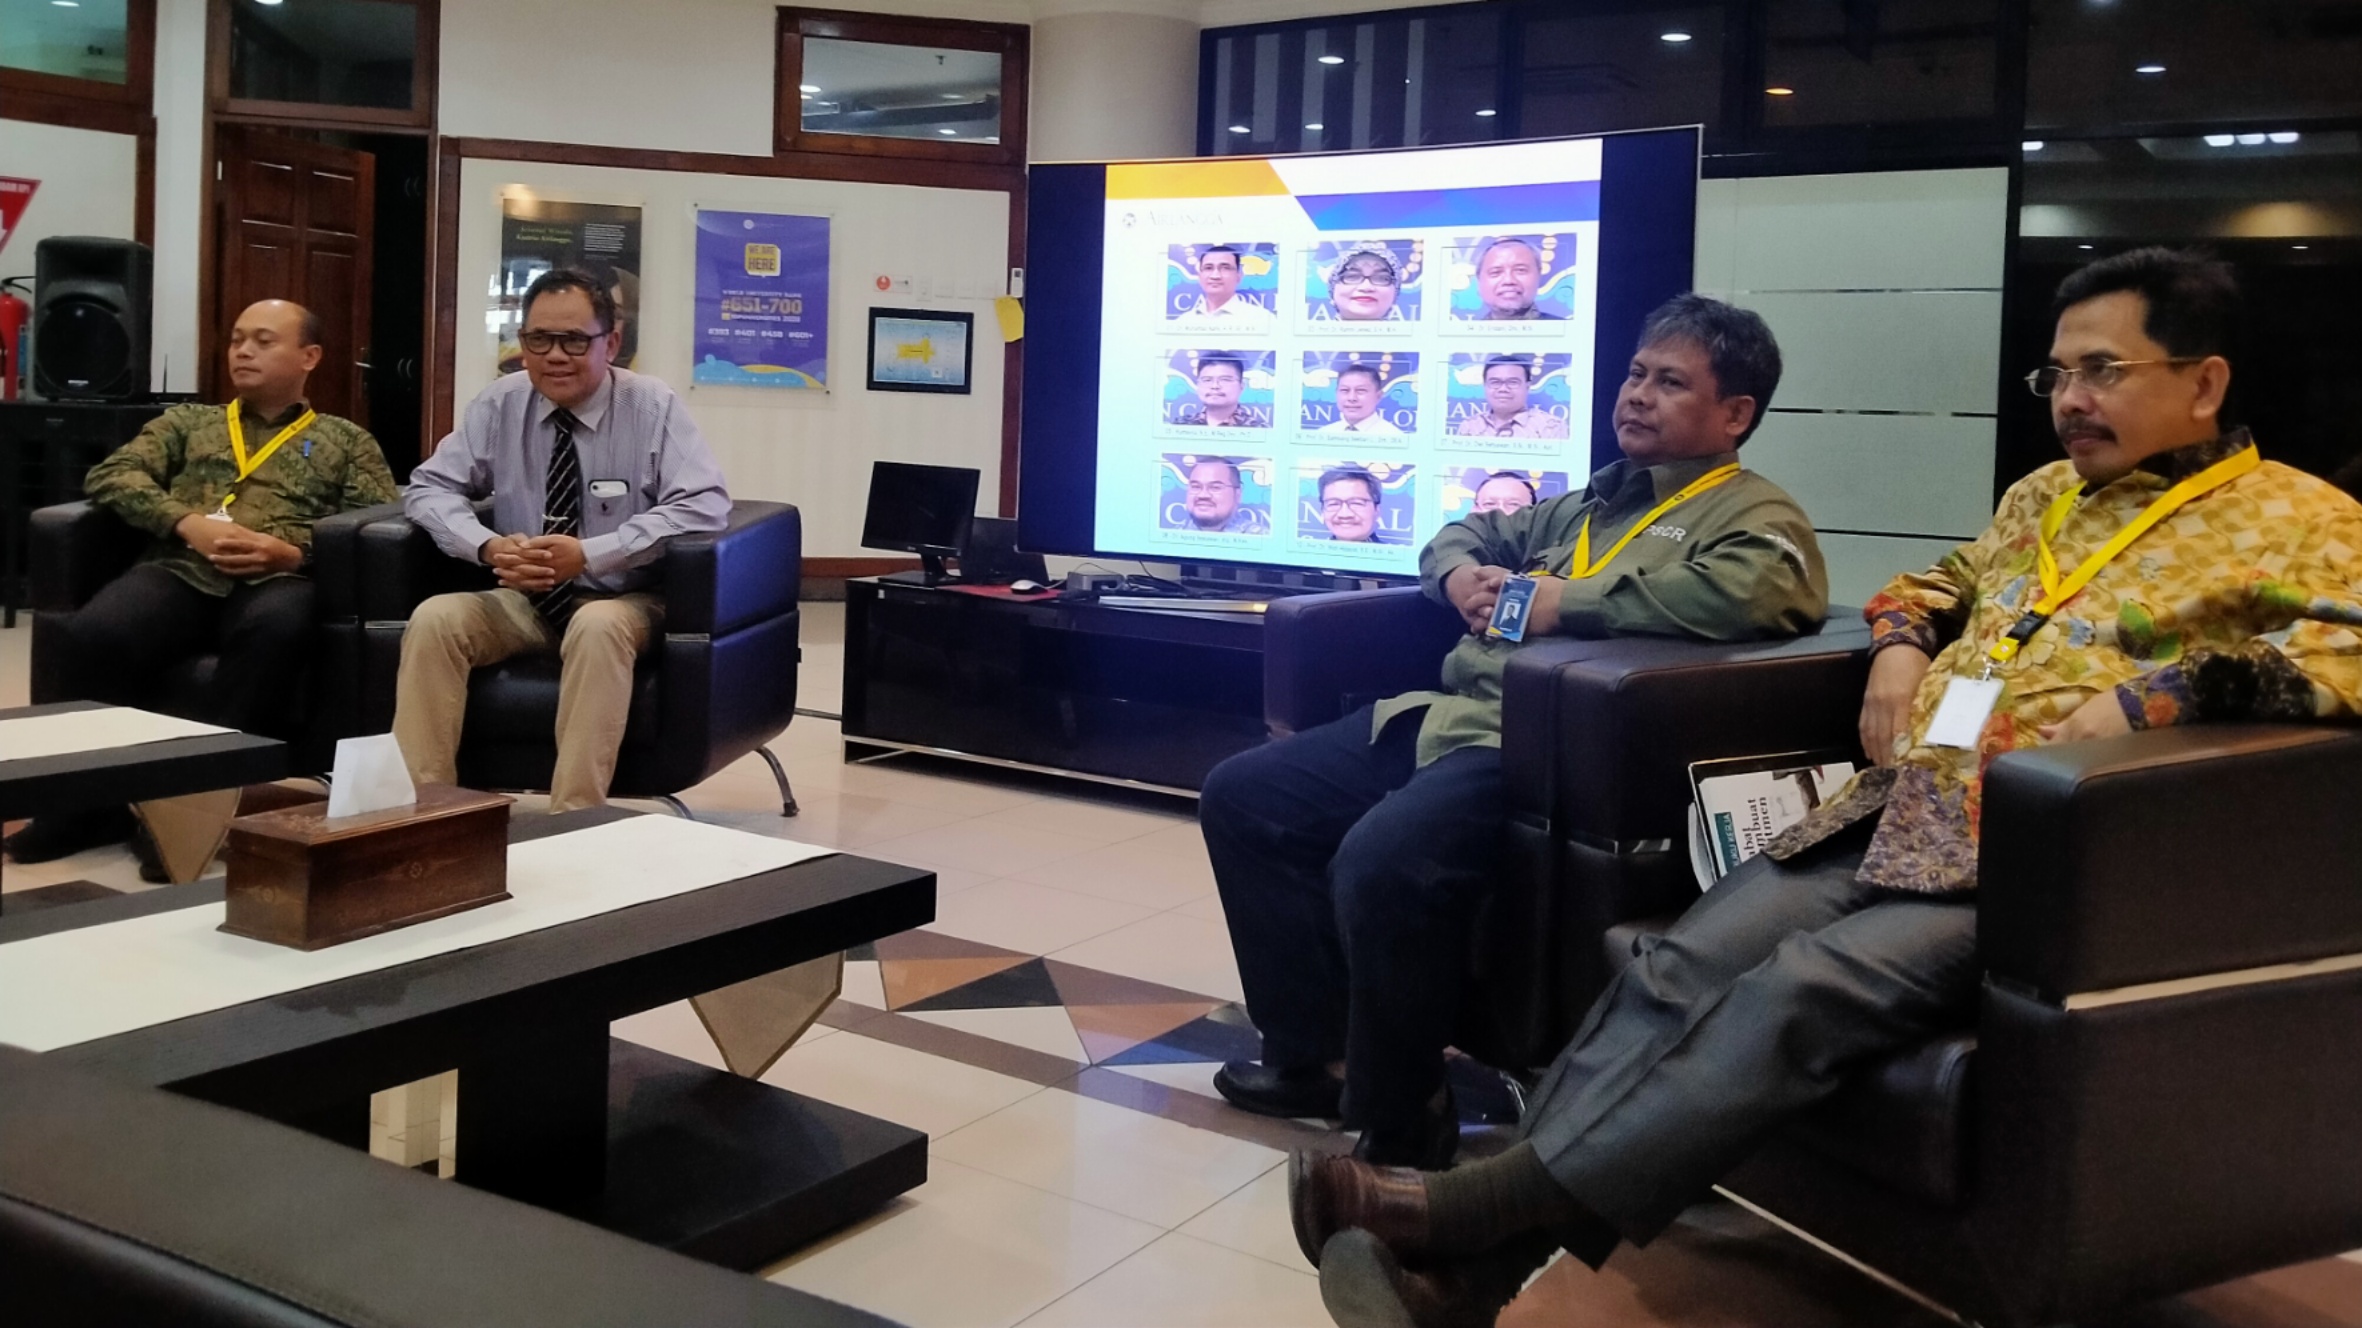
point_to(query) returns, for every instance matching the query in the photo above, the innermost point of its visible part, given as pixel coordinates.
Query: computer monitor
(920, 509)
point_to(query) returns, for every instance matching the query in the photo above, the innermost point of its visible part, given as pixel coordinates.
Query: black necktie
(561, 514)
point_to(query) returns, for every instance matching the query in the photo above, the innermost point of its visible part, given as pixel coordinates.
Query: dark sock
(1479, 1206)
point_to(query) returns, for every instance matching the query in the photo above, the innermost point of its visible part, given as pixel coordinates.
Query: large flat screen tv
(1316, 362)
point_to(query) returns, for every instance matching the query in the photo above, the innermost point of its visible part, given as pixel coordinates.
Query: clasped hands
(1474, 590)
(533, 563)
(1895, 675)
(235, 550)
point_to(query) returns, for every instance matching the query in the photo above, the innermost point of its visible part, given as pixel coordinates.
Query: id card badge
(1961, 715)
(1509, 611)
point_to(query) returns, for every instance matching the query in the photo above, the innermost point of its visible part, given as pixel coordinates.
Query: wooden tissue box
(298, 878)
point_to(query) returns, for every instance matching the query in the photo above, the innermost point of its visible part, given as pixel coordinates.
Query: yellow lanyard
(2056, 592)
(1583, 567)
(238, 446)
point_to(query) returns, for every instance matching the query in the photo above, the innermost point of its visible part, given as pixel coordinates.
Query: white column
(1113, 80)
(180, 189)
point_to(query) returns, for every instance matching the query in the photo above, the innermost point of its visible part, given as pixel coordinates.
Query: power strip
(1092, 583)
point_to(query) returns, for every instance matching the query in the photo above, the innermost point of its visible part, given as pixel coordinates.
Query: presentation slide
(1319, 361)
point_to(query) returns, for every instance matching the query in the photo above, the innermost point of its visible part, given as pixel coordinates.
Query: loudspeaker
(91, 303)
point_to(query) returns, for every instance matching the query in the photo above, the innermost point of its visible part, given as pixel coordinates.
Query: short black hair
(1530, 490)
(602, 300)
(1336, 473)
(1739, 347)
(1377, 379)
(310, 330)
(1497, 241)
(1236, 364)
(1235, 477)
(1212, 249)
(2193, 299)
(1519, 360)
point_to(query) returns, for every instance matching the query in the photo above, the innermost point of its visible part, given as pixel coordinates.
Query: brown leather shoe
(1363, 1285)
(1327, 1195)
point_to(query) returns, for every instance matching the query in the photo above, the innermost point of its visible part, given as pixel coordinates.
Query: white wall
(89, 183)
(180, 187)
(813, 449)
(1885, 293)
(1113, 85)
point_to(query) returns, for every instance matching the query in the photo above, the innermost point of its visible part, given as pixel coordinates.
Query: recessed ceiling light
(807, 96)
(67, 4)
(2220, 140)
(2300, 246)
(947, 131)
(2083, 246)
(1332, 59)
(2285, 136)
(1316, 125)
(807, 87)
(1240, 129)
(2148, 69)
(2250, 140)
(1779, 92)
(952, 96)
(1677, 38)
(2032, 145)
(1487, 113)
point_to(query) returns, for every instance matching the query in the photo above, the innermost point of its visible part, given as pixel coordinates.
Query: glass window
(1384, 83)
(2094, 65)
(888, 91)
(324, 52)
(85, 40)
(1827, 63)
(1597, 72)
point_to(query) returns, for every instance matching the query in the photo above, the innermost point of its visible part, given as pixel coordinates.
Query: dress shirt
(1532, 422)
(1236, 309)
(634, 431)
(1377, 424)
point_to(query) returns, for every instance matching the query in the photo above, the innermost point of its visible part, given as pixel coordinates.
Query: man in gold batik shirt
(2164, 573)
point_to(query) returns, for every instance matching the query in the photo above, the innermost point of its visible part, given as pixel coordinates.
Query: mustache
(2080, 427)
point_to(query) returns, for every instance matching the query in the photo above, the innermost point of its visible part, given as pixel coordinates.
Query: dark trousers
(143, 622)
(1349, 877)
(1785, 978)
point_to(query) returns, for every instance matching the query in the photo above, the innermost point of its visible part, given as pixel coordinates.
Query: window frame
(1008, 40)
(420, 114)
(87, 103)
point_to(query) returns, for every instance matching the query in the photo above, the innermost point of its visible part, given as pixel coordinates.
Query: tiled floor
(1054, 1033)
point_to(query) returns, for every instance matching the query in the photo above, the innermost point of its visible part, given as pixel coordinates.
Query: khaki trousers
(450, 635)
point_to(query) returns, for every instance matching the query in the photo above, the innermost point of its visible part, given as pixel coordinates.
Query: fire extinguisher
(13, 313)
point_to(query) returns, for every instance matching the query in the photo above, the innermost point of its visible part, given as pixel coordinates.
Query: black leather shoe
(1428, 1146)
(1256, 1087)
(151, 863)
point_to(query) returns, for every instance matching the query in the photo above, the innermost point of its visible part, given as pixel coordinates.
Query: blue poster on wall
(762, 300)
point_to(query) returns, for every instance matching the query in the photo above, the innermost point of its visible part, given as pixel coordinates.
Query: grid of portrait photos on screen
(1341, 403)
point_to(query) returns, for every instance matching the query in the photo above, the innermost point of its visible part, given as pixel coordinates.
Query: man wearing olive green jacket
(1351, 857)
(228, 495)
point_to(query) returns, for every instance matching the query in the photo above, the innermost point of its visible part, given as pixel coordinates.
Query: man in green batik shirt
(229, 494)
(1351, 857)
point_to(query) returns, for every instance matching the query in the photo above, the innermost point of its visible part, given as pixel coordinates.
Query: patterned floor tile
(1017, 985)
(1112, 1030)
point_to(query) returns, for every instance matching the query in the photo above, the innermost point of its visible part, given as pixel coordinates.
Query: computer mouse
(1026, 587)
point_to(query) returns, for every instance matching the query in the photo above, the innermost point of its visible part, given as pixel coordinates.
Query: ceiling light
(2250, 140)
(947, 131)
(2285, 136)
(2220, 140)
(807, 96)
(1779, 92)
(1240, 129)
(2032, 145)
(2083, 246)
(2151, 68)
(1486, 113)
(1677, 38)
(2300, 246)
(1316, 125)
(67, 4)
(807, 87)
(1332, 59)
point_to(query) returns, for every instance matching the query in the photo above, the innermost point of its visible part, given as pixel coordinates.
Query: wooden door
(296, 223)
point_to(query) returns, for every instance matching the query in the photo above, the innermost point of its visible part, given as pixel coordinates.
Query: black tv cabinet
(1144, 697)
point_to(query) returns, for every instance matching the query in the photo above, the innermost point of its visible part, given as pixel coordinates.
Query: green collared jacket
(1735, 563)
(182, 463)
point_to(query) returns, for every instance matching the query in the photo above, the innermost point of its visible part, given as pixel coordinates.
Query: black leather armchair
(719, 684)
(76, 548)
(123, 1205)
(1597, 766)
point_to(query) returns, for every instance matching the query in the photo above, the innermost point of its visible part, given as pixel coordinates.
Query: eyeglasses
(1363, 276)
(2052, 379)
(573, 343)
(1218, 486)
(1346, 504)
